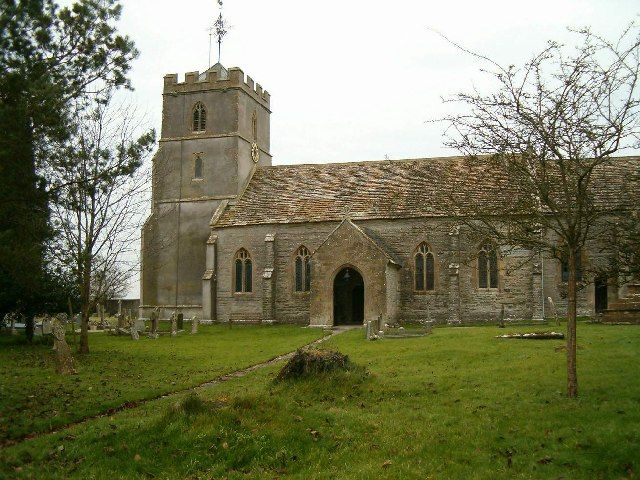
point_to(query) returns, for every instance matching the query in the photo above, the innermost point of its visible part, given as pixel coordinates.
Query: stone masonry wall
(456, 296)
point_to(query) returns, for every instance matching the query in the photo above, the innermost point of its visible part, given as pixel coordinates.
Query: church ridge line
(368, 162)
(400, 160)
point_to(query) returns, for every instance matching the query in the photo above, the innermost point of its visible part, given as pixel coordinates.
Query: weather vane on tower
(219, 28)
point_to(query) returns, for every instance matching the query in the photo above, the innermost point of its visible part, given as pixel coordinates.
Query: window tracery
(199, 117)
(243, 272)
(302, 270)
(424, 272)
(487, 266)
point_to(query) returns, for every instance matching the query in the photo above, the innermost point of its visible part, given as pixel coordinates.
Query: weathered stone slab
(64, 359)
(47, 328)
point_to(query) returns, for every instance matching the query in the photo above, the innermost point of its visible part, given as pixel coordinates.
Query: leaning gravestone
(64, 360)
(63, 318)
(194, 324)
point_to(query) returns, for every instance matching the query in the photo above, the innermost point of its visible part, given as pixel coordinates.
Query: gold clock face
(255, 152)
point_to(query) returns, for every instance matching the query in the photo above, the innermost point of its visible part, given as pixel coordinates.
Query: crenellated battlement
(215, 80)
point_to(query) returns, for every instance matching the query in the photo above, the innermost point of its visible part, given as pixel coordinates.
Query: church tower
(215, 132)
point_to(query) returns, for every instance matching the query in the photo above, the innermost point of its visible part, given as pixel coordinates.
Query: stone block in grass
(309, 362)
(534, 336)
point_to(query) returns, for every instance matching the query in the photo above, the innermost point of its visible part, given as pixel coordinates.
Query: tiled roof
(429, 187)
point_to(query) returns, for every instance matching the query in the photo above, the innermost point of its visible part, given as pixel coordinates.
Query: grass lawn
(456, 404)
(33, 398)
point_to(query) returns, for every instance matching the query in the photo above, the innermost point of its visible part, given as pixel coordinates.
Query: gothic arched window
(564, 266)
(487, 266)
(424, 273)
(197, 166)
(242, 272)
(303, 270)
(254, 126)
(199, 117)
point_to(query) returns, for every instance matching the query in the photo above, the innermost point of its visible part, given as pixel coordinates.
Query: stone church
(232, 237)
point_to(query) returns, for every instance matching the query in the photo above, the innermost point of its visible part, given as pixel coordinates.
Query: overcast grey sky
(352, 80)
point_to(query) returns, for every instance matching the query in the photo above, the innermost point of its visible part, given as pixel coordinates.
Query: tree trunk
(29, 327)
(73, 322)
(85, 293)
(572, 374)
(84, 331)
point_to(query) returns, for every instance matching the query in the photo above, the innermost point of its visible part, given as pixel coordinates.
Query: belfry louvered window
(424, 273)
(242, 272)
(199, 117)
(487, 266)
(302, 270)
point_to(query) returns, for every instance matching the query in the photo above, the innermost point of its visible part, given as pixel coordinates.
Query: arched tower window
(199, 117)
(424, 273)
(242, 272)
(303, 270)
(254, 126)
(197, 166)
(487, 266)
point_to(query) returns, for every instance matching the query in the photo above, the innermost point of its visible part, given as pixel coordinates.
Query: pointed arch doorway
(348, 297)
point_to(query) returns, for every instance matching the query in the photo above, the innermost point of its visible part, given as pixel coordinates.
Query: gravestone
(154, 323)
(180, 321)
(64, 360)
(174, 324)
(136, 326)
(554, 310)
(10, 320)
(100, 312)
(47, 329)
(194, 324)
(139, 325)
(120, 318)
(47, 322)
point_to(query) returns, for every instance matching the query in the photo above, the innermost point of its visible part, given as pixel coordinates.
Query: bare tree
(548, 134)
(102, 198)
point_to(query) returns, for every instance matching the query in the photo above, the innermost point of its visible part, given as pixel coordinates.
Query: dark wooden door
(600, 294)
